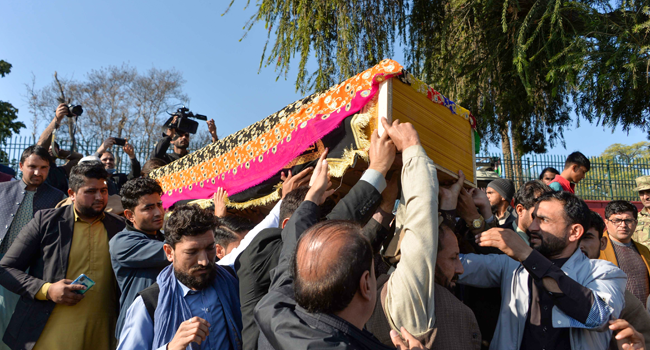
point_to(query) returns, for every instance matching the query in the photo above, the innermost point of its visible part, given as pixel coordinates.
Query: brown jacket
(636, 315)
(455, 328)
(609, 255)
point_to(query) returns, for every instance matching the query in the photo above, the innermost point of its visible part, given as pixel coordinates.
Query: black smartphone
(119, 141)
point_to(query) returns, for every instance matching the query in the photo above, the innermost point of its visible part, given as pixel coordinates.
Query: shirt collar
(645, 212)
(130, 227)
(520, 232)
(186, 290)
(77, 218)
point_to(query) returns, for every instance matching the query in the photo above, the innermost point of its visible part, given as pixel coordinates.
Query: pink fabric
(240, 179)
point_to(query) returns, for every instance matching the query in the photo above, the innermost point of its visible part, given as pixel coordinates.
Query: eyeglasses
(627, 222)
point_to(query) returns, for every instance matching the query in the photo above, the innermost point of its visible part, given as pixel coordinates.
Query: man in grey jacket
(20, 201)
(137, 253)
(553, 296)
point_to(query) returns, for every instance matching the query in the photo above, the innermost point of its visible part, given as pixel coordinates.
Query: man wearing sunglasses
(630, 256)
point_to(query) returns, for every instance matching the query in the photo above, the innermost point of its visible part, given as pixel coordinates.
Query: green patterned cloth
(23, 215)
(8, 300)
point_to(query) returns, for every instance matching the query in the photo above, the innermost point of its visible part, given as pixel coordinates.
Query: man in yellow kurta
(57, 246)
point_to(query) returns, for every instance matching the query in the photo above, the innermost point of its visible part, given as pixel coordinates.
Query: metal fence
(608, 179)
(13, 148)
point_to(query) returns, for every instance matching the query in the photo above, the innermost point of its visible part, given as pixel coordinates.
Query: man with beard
(553, 296)
(57, 246)
(179, 139)
(20, 201)
(137, 253)
(500, 192)
(194, 302)
(621, 250)
(525, 199)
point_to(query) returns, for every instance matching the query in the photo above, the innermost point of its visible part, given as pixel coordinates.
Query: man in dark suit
(57, 246)
(20, 201)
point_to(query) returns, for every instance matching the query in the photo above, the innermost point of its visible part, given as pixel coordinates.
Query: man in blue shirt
(194, 302)
(137, 254)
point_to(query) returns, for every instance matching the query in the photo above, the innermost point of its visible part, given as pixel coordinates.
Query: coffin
(248, 164)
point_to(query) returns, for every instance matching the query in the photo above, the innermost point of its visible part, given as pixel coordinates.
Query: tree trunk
(73, 142)
(507, 153)
(516, 161)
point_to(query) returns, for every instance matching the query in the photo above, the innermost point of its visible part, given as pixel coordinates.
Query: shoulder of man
(45, 187)
(10, 185)
(117, 222)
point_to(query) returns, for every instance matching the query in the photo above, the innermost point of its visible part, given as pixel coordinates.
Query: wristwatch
(476, 223)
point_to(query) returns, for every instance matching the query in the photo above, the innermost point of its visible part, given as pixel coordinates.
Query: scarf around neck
(172, 309)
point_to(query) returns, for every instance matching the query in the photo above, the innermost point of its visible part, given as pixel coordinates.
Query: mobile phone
(85, 281)
(119, 141)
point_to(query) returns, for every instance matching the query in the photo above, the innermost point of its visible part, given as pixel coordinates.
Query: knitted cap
(504, 187)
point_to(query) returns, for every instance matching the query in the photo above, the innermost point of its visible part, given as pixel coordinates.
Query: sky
(220, 68)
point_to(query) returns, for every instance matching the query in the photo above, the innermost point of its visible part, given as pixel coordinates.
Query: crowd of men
(90, 259)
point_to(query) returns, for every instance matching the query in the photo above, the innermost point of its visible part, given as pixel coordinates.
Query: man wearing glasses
(642, 233)
(630, 256)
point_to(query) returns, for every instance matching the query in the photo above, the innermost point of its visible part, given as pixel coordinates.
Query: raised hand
(61, 111)
(449, 195)
(212, 129)
(627, 337)
(292, 182)
(108, 143)
(63, 292)
(320, 182)
(382, 152)
(194, 330)
(128, 149)
(506, 240)
(482, 202)
(402, 135)
(171, 132)
(220, 203)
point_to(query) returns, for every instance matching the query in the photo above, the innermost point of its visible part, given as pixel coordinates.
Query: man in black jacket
(57, 246)
(256, 262)
(179, 139)
(324, 288)
(20, 201)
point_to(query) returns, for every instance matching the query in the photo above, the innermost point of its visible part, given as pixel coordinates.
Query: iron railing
(13, 148)
(608, 179)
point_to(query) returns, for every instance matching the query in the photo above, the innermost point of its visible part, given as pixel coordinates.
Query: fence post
(609, 180)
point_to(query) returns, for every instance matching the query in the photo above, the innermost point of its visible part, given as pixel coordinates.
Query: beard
(197, 282)
(90, 211)
(550, 245)
(440, 278)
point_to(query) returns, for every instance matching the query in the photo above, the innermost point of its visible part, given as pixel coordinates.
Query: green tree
(614, 171)
(8, 115)
(521, 66)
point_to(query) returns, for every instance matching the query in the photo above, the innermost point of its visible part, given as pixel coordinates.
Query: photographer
(179, 139)
(58, 175)
(108, 159)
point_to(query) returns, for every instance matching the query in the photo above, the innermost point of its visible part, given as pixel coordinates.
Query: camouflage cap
(642, 183)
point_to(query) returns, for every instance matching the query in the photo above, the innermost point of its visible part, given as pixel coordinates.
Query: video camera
(183, 122)
(74, 110)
